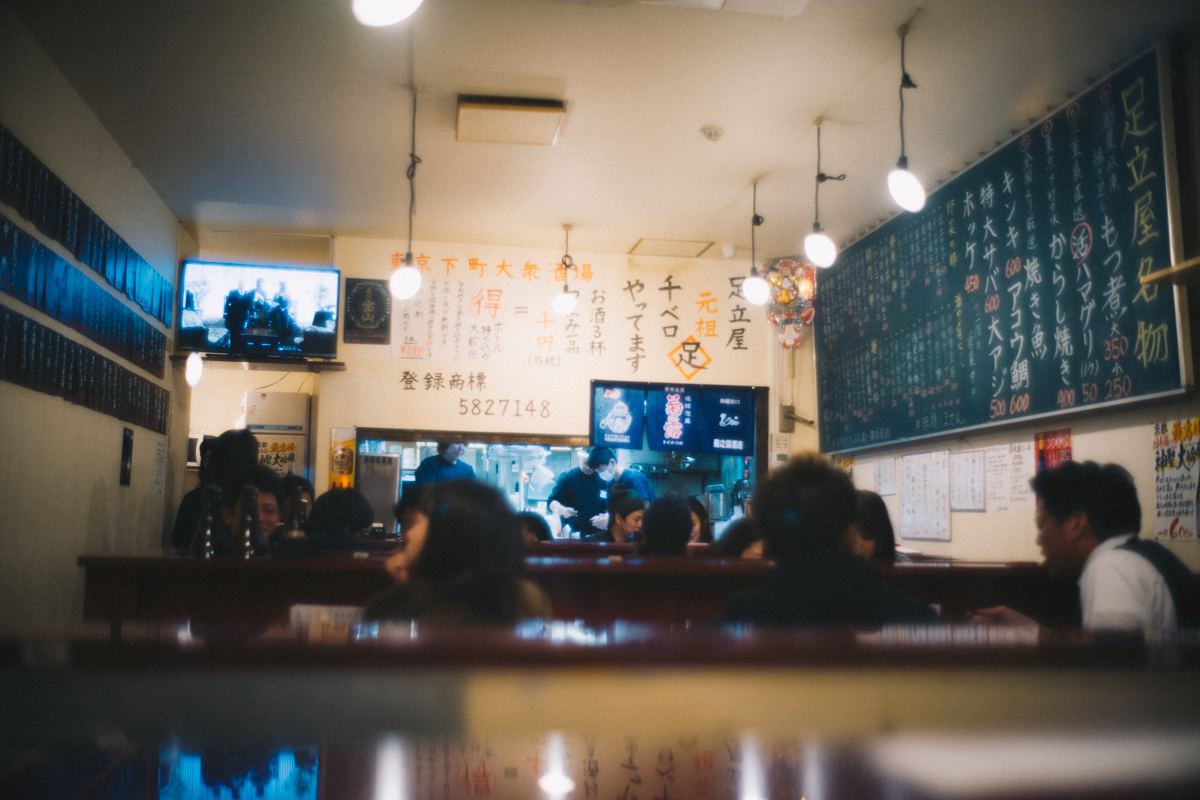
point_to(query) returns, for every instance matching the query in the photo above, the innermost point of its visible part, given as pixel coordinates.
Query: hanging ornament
(790, 308)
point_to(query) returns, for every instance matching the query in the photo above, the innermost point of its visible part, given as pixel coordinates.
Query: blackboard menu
(1015, 292)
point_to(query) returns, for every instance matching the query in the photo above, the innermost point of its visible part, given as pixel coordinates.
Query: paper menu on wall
(1008, 469)
(924, 492)
(885, 476)
(967, 480)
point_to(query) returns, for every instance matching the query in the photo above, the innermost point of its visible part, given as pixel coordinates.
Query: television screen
(258, 310)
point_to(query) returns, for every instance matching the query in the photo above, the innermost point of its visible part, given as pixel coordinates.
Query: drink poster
(1176, 471)
(727, 423)
(1053, 448)
(617, 417)
(672, 419)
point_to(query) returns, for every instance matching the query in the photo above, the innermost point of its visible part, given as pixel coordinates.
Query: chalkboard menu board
(1015, 292)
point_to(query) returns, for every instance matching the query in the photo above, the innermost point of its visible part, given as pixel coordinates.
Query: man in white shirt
(1088, 518)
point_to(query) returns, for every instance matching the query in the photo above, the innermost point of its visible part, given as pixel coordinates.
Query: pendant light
(819, 248)
(406, 279)
(194, 369)
(754, 288)
(564, 304)
(905, 188)
(381, 13)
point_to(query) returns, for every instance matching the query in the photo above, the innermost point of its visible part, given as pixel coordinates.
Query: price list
(1015, 291)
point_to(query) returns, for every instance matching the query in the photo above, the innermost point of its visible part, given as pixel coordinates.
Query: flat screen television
(258, 310)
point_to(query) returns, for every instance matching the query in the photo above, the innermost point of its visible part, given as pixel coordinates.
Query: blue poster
(727, 423)
(617, 415)
(672, 421)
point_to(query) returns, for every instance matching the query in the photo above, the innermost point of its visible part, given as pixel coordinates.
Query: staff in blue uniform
(445, 465)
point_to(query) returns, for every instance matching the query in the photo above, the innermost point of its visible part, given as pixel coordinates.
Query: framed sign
(368, 312)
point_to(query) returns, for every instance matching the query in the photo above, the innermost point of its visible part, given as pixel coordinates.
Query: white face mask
(607, 474)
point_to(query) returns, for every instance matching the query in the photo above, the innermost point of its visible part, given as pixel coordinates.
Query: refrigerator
(279, 420)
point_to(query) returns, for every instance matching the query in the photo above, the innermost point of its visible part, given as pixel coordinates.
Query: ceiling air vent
(508, 120)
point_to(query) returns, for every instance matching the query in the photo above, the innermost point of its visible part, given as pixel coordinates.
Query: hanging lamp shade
(405, 280)
(756, 290)
(194, 369)
(820, 249)
(381, 13)
(906, 190)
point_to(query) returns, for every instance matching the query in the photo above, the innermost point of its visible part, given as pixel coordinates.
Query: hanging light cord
(411, 172)
(821, 178)
(413, 160)
(906, 82)
(755, 221)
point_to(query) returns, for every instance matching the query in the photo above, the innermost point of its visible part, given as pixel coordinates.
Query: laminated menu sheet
(967, 481)
(924, 490)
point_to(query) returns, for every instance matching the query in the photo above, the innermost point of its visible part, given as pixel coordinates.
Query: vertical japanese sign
(727, 423)
(1176, 477)
(672, 419)
(618, 417)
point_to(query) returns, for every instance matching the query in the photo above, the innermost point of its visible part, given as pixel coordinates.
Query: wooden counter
(671, 591)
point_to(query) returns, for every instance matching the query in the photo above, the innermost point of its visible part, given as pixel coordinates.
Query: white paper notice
(160, 466)
(967, 481)
(885, 476)
(1022, 467)
(924, 490)
(996, 482)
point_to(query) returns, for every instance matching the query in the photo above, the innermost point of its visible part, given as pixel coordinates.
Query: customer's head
(470, 527)
(871, 535)
(233, 454)
(666, 527)
(740, 540)
(804, 507)
(1079, 505)
(626, 512)
(340, 511)
(701, 527)
(534, 528)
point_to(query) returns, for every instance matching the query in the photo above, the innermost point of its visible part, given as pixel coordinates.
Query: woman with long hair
(464, 561)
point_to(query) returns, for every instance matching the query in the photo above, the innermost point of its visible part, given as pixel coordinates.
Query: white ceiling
(286, 115)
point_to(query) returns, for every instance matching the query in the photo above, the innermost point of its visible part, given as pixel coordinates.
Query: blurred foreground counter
(618, 711)
(561, 709)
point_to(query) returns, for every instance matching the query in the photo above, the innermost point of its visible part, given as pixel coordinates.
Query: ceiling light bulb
(379, 13)
(564, 303)
(405, 282)
(194, 369)
(556, 784)
(820, 249)
(906, 190)
(756, 290)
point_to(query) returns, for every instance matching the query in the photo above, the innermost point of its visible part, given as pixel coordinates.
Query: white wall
(59, 492)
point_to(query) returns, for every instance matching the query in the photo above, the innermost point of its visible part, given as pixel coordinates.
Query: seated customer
(224, 462)
(871, 535)
(534, 528)
(254, 507)
(1088, 517)
(701, 527)
(336, 517)
(625, 512)
(464, 560)
(803, 511)
(666, 527)
(741, 540)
